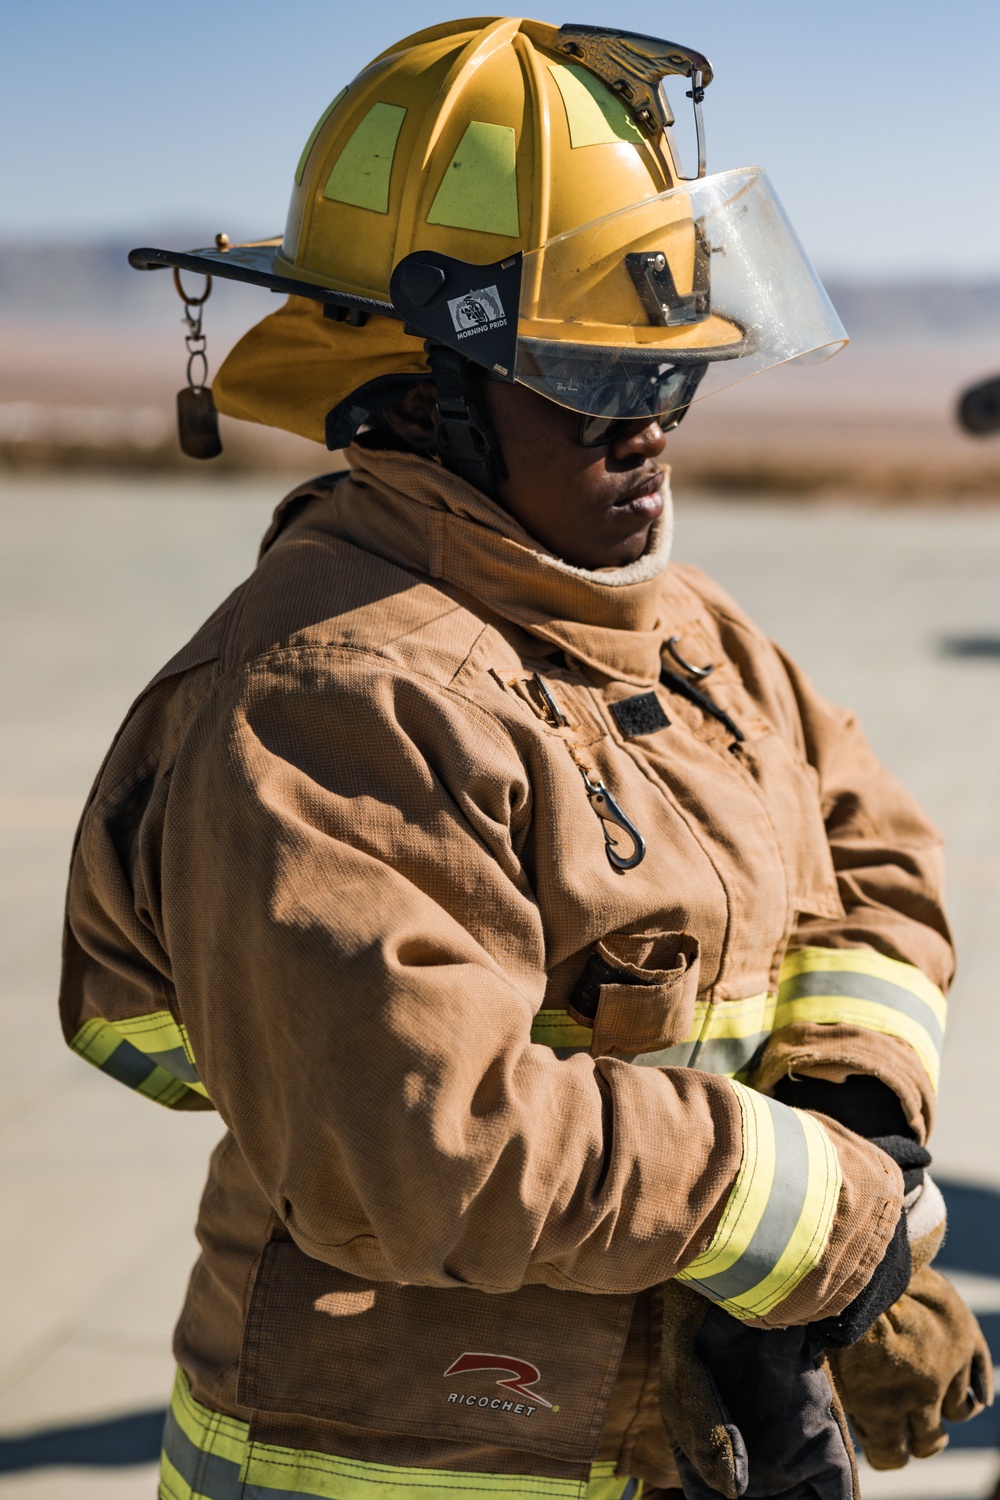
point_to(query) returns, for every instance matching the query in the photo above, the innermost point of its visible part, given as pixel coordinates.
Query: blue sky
(879, 122)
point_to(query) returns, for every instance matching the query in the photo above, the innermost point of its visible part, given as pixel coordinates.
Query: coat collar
(412, 511)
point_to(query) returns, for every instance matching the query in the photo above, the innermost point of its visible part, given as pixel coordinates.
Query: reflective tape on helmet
(151, 1054)
(853, 987)
(779, 1215)
(209, 1456)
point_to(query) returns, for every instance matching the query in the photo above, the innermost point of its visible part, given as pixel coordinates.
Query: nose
(643, 438)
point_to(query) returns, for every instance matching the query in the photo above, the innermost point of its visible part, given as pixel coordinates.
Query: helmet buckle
(665, 305)
(354, 317)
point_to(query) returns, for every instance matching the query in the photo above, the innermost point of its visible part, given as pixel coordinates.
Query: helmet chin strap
(466, 442)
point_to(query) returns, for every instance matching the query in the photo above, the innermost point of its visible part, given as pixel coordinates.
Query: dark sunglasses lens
(597, 430)
(667, 390)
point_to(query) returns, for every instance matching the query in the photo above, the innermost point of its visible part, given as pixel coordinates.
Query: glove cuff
(926, 1222)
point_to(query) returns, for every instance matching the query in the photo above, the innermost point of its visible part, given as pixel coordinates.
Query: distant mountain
(91, 282)
(918, 311)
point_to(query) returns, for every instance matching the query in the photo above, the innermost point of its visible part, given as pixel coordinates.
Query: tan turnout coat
(341, 875)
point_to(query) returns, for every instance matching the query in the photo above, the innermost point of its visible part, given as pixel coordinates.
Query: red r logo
(520, 1374)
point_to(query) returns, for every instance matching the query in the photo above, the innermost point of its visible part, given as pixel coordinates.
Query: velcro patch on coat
(642, 714)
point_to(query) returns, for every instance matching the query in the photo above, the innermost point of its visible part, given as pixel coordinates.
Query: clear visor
(642, 312)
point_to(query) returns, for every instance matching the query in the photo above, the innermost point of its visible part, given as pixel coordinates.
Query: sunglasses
(595, 432)
(677, 390)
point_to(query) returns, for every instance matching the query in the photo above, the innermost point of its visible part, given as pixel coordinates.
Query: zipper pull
(611, 816)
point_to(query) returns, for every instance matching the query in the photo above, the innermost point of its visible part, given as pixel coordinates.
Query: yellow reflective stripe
(780, 1211)
(211, 1431)
(363, 170)
(605, 1484)
(723, 1038)
(835, 986)
(150, 1054)
(732, 1034)
(208, 1456)
(812, 1232)
(96, 1041)
(748, 1198)
(173, 1486)
(595, 116)
(479, 186)
(557, 1029)
(276, 1473)
(736, 1018)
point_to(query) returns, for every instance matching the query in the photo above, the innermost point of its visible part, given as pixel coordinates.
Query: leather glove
(923, 1359)
(751, 1412)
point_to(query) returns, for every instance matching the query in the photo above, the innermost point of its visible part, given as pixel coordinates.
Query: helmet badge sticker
(519, 1375)
(477, 311)
(471, 309)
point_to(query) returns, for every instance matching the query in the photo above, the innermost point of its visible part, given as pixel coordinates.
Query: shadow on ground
(114, 1443)
(977, 646)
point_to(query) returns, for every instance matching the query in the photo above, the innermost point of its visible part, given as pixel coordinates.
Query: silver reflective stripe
(785, 1203)
(207, 1473)
(265, 1492)
(726, 1054)
(677, 1056)
(128, 1065)
(729, 1054)
(176, 1062)
(855, 986)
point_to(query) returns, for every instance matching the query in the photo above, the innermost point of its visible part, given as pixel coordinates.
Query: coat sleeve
(324, 900)
(864, 993)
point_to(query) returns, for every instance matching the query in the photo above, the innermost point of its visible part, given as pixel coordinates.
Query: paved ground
(896, 612)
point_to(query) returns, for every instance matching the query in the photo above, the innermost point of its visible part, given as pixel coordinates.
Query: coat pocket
(638, 993)
(530, 1370)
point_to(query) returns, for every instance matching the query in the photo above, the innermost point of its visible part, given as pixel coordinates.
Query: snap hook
(611, 816)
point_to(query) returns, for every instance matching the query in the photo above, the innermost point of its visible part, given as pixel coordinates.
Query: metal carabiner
(698, 673)
(611, 816)
(188, 300)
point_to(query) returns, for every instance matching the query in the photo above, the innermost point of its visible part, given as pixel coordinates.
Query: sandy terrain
(877, 419)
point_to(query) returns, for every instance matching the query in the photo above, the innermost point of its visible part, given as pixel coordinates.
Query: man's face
(593, 507)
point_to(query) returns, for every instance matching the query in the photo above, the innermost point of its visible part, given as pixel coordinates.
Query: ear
(414, 417)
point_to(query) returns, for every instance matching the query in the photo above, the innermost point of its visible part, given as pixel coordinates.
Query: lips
(643, 498)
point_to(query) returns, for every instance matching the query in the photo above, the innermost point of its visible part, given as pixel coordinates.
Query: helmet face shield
(617, 316)
(640, 312)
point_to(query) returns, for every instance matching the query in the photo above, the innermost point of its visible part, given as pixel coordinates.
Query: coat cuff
(842, 1011)
(808, 1218)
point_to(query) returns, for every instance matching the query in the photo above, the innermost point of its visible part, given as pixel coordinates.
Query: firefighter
(568, 974)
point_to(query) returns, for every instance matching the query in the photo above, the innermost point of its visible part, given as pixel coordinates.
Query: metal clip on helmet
(510, 191)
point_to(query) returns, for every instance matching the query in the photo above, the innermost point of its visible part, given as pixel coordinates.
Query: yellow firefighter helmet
(510, 189)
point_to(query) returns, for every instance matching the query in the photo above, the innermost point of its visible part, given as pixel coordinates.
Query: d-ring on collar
(698, 673)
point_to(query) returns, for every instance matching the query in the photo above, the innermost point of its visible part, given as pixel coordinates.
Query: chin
(619, 554)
